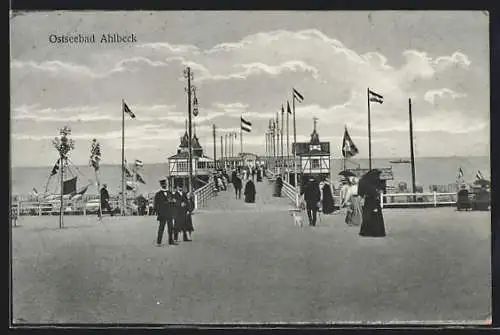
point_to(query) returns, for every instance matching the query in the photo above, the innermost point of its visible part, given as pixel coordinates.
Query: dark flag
(460, 173)
(80, 192)
(375, 97)
(130, 186)
(299, 97)
(479, 175)
(69, 186)
(127, 110)
(288, 110)
(126, 170)
(55, 169)
(349, 149)
(246, 125)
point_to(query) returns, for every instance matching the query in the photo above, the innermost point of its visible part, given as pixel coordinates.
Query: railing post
(196, 201)
(18, 209)
(435, 198)
(381, 200)
(39, 208)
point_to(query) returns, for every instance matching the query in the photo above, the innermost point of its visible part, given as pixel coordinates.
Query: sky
(246, 64)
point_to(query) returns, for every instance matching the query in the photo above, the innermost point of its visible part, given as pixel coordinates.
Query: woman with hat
(328, 203)
(369, 187)
(355, 200)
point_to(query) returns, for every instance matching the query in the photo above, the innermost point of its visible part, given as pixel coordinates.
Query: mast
(123, 161)
(412, 156)
(215, 149)
(61, 209)
(369, 131)
(294, 147)
(282, 155)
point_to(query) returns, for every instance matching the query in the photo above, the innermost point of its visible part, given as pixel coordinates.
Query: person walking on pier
(105, 201)
(237, 184)
(312, 196)
(327, 199)
(369, 187)
(183, 220)
(164, 205)
(250, 191)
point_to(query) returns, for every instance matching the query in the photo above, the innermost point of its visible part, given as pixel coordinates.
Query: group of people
(237, 178)
(359, 197)
(173, 210)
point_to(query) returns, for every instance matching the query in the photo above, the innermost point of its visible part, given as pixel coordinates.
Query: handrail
(291, 193)
(204, 193)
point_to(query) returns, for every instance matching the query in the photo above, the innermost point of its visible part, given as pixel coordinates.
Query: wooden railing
(203, 194)
(291, 193)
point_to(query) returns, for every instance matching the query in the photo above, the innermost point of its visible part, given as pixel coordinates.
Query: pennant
(282, 110)
(246, 125)
(126, 170)
(127, 110)
(55, 169)
(35, 192)
(375, 97)
(460, 173)
(138, 163)
(69, 186)
(349, 149)
(288, 110)
(139, 178)
(297, 96)
(479, 175)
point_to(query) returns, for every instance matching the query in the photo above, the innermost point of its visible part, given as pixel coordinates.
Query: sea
(428, 171)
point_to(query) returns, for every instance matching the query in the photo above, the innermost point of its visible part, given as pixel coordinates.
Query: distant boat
(400, 161)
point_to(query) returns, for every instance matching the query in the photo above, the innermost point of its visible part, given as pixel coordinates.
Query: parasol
(482, 182)
(347, 173)
(369, 182)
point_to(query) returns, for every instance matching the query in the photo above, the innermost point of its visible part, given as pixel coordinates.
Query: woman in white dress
(355, 200)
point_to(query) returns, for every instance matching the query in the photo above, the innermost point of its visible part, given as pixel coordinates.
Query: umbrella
(482, 182)
(347, 173)
(369, 182)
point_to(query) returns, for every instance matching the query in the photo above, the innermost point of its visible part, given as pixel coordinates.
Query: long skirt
(373, 222)
(356, 211)
(184, 222)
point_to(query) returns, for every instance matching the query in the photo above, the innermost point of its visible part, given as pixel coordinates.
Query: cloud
(165, 46)
(430, 96)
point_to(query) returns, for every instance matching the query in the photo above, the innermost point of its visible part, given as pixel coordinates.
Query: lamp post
(63, 145)
(191, 93)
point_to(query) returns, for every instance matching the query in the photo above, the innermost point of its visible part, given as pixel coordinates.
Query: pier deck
(249, 263)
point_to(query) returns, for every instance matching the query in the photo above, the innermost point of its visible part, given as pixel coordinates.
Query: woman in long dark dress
(328, 202)
(250, 191)
(184, 222)
(373, 220)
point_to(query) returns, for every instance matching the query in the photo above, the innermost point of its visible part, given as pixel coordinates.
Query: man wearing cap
(164, 205)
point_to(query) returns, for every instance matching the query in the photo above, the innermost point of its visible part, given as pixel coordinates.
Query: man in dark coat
(328, 201)
(164, 204)
(250, 191)
(105, 201)
(237, 184)
(312, 196)
(278, 186)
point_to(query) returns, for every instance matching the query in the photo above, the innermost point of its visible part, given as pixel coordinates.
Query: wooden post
(369, 131)
(412, 156)
(435, 198)
(61, 209)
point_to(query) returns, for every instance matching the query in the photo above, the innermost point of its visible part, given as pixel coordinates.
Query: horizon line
(334, 158)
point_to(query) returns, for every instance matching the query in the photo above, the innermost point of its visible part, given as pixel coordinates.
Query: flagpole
(369, 131)
(221, 151)
(241, 139)
(295, 142)
(277, 141)
(287, 142)
(282, 156)
(412, 156)
(61, 209)
(123, 161)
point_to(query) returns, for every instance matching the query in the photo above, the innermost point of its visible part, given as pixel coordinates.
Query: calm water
(428, 171)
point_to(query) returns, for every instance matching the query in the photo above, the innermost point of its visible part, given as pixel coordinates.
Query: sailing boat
(70, 190)
(400, 161)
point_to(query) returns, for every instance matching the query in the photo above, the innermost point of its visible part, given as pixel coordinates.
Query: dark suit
(312, 195)
(105, 201)
(164, 205)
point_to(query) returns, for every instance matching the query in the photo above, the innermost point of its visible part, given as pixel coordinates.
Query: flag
(127, 171)
(127, 110)
(479, 175)
(80, 193)
(95, 155)
(130, 186)
(246, 125)
(375, 97)
(282, 110)
(139, 178)
(349, 149)
(138, 163)
(69, 186)
(297, 96)
(460, 173)
(35, 192)
(55, 169)
(289, 111)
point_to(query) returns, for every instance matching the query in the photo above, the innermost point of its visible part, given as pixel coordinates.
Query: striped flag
(138, 163)
(375, 97)
(460, 173)
(127, 110)
(55, 169)
(95, 154)
(479, 175)
(126, 169)
(288, 110)
(139, 178)
(297, 96)
(246, 125)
